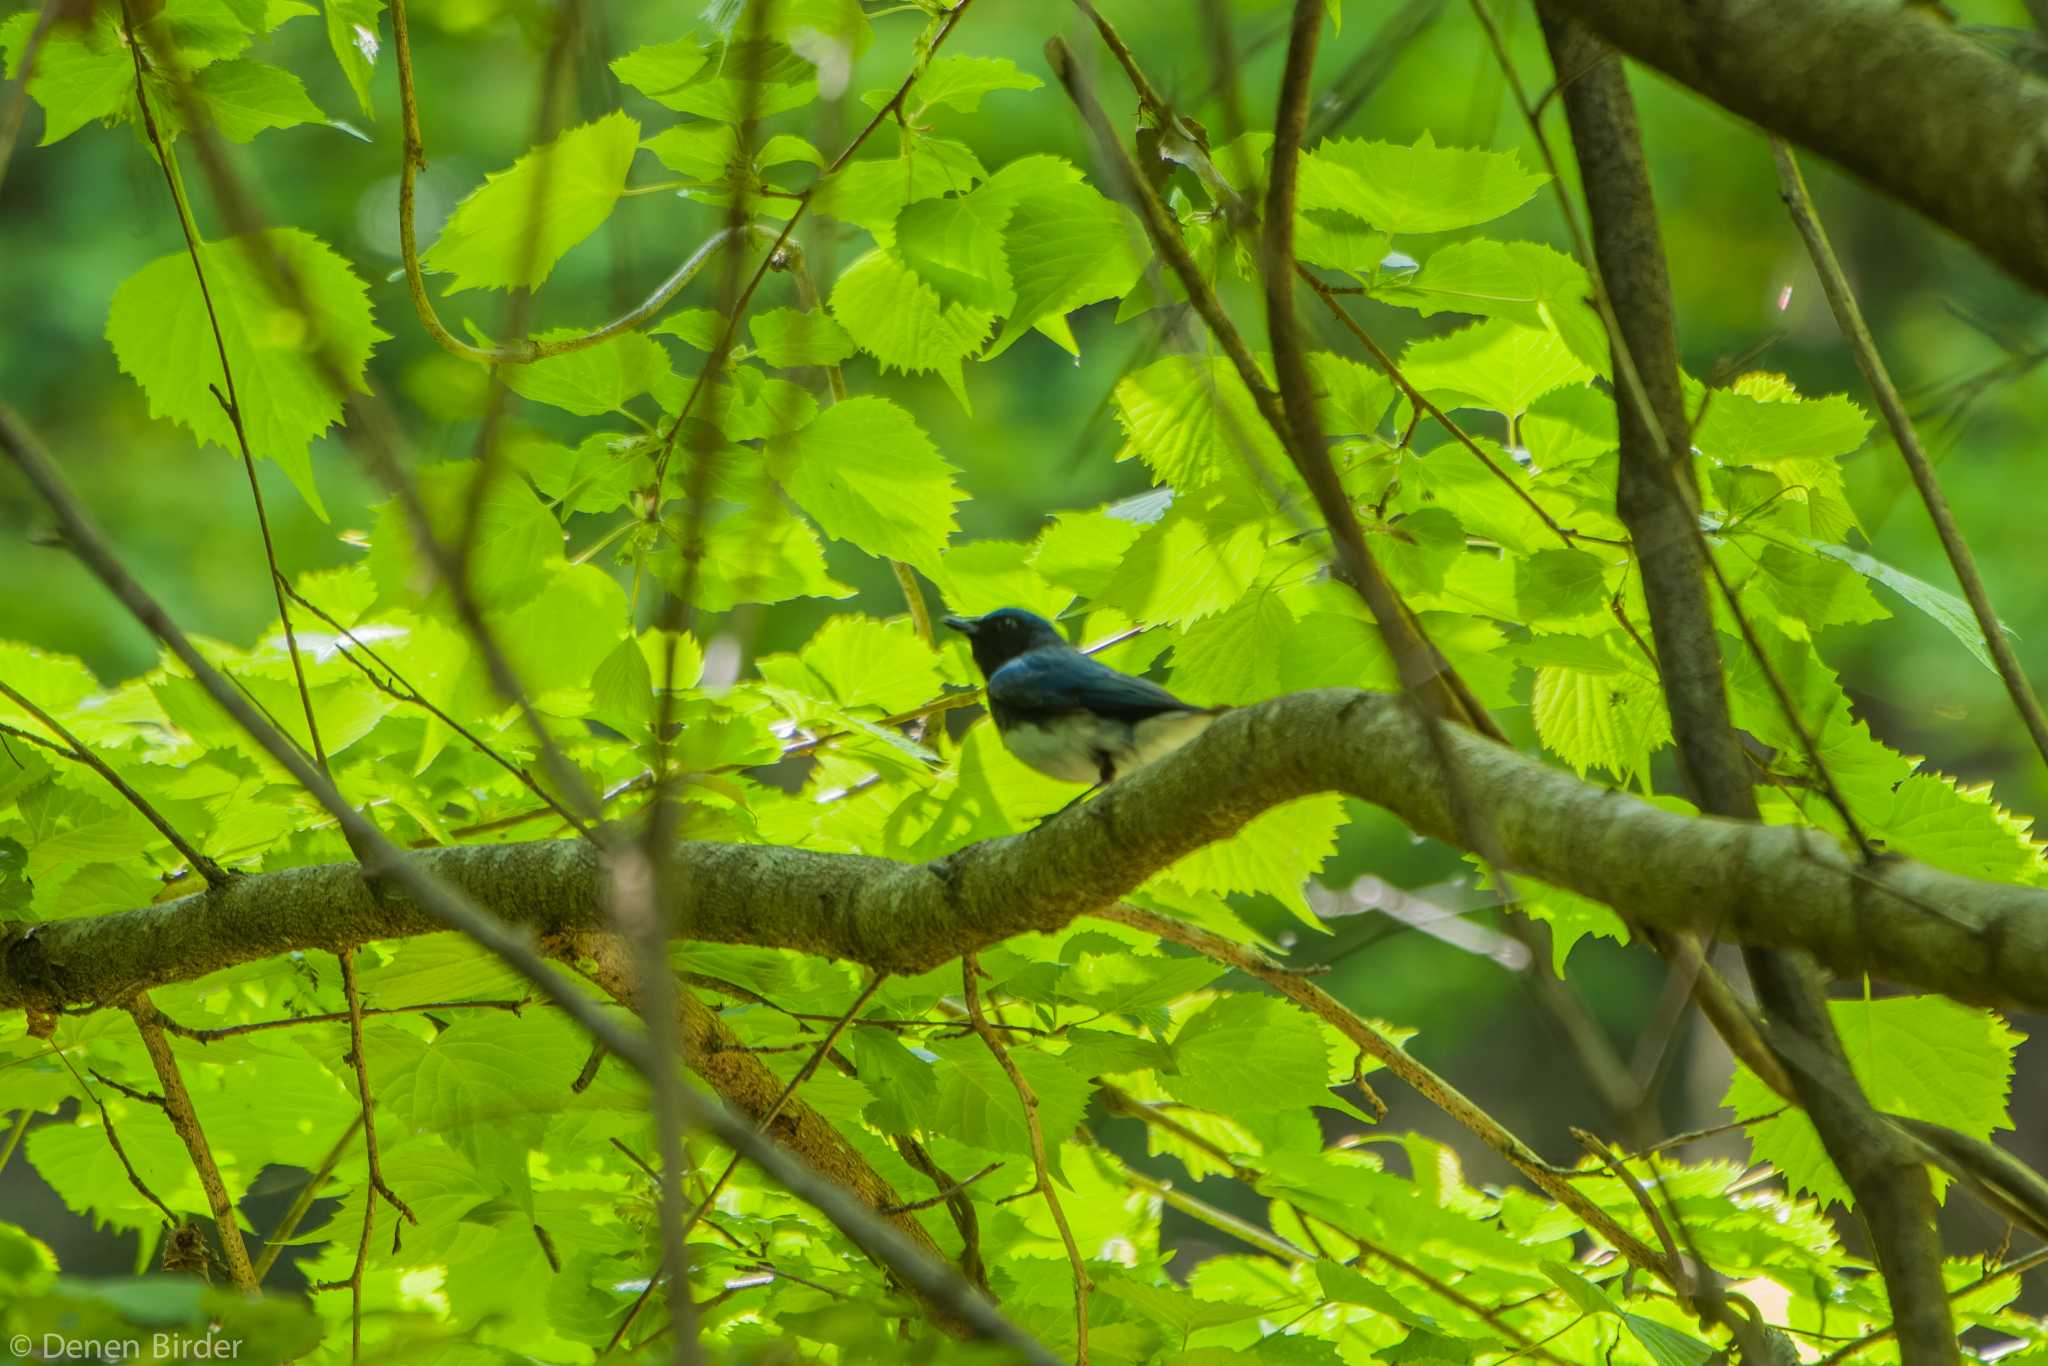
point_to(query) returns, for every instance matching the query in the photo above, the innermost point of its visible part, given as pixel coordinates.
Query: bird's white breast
(1070, 747)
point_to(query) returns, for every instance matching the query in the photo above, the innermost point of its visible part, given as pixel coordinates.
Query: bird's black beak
(964, 625)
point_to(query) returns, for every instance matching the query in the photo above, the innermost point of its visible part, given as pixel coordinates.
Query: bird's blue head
(1004, 634)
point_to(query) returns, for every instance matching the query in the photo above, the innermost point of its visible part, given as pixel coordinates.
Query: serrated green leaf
(1418, 188)
(1193, 421)
(1601, 719)
(872, 193)
(762, 553)
(1234, 657)
(955, 245)
(1523, 282)
(1739, 429)
(661, 70)
(901, 321)
(1497, 364)
(867, 473)
(788, 338)
(1276, 853)
(511, 231)
(244, 98)
(1066, 246)
(1926, 1057)
(978, 1105)
(591, 380)
(161, 334)
(516, 543)
(1244, 1053)
(958, 82)
(1559, 584)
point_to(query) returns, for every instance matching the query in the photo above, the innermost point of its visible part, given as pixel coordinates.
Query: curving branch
(1893, 93)
(1777, 886)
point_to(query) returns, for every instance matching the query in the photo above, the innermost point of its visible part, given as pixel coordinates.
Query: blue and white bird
(1065, 714)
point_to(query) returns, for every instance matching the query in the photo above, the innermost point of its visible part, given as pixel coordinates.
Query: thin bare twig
(1028, 1099)
(78, 752)
(396, 686)
(229, 399)
(1856, 332)
(302, 1203)
(945, 1193)
(178, 1106)
(113, 1140)
(333, 1017)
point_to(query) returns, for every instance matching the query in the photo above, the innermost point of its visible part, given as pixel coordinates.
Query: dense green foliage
(629, 474)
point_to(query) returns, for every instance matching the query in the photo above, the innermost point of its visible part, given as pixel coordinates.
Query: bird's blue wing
(1048, 682)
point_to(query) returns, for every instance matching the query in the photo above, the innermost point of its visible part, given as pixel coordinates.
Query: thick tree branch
(1657, 500)
(1891, 92)
(1779, 886)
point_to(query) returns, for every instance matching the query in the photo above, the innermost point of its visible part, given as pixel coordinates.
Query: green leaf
(591, 380)
(955, 245)
(958, 82)
(1739, 429)
(161, 335)
(1193, 421)
(1523, 282)
(738, 81)
(1234, 657)
(1419, 188)
(905, 1086)
(247, 97)
(762, 553)
(1604, 718)
(1345, 1285)
(1127, 983)
(1498, 365)
(1670, 1346)
(699, 150)
(1066, 246)
(697, 328)
(1938, 821)
(1926, 1057)
(868, 474)
(510, 232)
(1559, 584)
(81, 74)
(981, 576)
(860, 662)
(1246, 1053)
(901, 321)
(352, 34)
(516, 544)
(1351, 397)
(1275, 853)
(1811, 592)
(661, 70)
(788, 338)
(1946, 608)
(872, 193)
(978, 1105)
